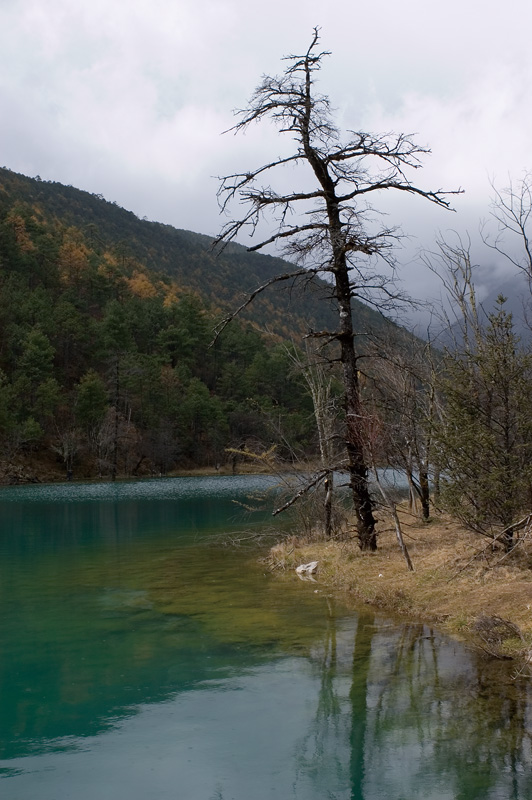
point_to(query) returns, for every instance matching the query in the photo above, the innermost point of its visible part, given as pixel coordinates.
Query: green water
(141, 659)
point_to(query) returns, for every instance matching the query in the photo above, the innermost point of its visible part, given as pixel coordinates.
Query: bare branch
(277, 279)
(511, 209)
(306, 488)
(287, 234)
(339, 237)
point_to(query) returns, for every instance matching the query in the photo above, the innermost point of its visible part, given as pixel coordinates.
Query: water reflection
(138, 664)
(408, 714)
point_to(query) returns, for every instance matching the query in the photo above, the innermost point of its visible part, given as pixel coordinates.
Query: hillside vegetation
(105, 363)
(221, 279)
(105, 357)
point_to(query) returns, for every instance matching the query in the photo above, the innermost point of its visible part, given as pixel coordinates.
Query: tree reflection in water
(404, 713)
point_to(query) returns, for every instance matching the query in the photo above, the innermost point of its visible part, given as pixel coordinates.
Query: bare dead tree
(330, 229)
(460, 316)
(318, 379)
(511, 209)
(404, 397)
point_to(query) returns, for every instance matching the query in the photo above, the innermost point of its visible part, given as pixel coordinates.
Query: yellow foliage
(140, 285)
(171, 295)
(38, 213)
(73, 260)
(108, 265)
(110, 259)
(22, 236)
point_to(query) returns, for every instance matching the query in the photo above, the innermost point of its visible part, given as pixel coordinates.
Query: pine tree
(485, 435)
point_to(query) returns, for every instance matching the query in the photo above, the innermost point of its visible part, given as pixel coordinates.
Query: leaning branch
(393, 511)
(277, 279)
(312, 226)
(306, 488)
(437, 197)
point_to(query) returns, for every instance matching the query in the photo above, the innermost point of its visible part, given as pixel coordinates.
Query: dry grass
(457, 579)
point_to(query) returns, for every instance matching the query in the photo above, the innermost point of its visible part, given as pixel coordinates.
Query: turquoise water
(142, 659)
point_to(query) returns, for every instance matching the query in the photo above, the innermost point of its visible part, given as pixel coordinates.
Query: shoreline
(459, 585)
(19, 472)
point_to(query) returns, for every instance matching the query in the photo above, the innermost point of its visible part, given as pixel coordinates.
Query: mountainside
(106, 322)
(224, 280)
(105, 363)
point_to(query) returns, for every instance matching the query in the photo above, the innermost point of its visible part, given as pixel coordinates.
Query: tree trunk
(412, 494)
(354, 427)
(424, 493)
(360, 750)
(358, 473)
(114, 468)
(328, 504)
(436, 484)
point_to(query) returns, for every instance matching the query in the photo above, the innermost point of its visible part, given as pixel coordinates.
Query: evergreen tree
(484, 438)
(118, 339)
(91, 402)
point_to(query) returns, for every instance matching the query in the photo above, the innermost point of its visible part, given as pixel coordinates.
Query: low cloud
(130, 98)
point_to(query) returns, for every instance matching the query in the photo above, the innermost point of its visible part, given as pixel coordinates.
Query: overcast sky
(129, 98)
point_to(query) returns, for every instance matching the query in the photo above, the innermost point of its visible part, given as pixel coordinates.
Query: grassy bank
(460, 583)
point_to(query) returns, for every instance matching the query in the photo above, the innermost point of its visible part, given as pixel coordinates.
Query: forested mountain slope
(221, 279)
(105, 364)
(105, 327)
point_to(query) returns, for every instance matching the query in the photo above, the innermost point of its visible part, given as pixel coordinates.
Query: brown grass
(458, 579)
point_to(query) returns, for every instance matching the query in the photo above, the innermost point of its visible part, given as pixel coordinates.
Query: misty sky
(129, 98)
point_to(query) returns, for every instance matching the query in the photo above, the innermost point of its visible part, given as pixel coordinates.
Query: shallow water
(141, 659)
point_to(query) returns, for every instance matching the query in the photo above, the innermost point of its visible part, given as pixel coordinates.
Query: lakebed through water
(141, 659)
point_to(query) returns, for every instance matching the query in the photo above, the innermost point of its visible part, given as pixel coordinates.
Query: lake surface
(141, 659)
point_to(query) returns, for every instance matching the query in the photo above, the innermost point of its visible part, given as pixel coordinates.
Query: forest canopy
(106, 366)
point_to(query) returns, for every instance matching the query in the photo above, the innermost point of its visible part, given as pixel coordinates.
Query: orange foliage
(140, 285)
(22, 236)
(171, 295)
(108, 265)
(72, 260)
